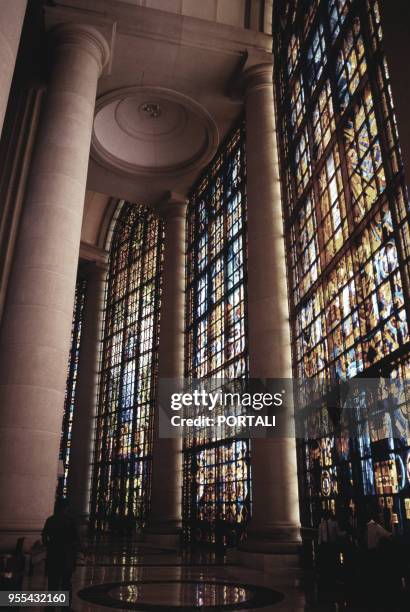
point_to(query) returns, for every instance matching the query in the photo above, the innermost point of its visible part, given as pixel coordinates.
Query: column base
(165, 533)
(276, 540)
(270, 549)
(288, 565)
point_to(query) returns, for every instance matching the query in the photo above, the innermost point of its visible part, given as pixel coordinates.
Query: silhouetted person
(61, 539)
(328, 534)
(378, 567)
(375, 533)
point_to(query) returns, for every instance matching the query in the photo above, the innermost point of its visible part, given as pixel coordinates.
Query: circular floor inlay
(182, 595)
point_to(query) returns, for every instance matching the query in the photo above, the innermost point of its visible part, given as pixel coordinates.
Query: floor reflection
(125, 573)
(123, 552)
(196, 594)
(166, 595)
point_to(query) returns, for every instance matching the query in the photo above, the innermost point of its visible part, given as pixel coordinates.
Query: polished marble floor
(124, 575)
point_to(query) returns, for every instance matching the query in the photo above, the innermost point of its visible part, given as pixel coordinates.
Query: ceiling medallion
(152, 131)
(151, 109)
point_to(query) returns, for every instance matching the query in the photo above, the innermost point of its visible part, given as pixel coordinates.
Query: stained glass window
(71, 384)
(122, 464)
(217, 470)
(348, 245)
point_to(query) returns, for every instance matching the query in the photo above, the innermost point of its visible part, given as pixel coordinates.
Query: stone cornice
(183, 30)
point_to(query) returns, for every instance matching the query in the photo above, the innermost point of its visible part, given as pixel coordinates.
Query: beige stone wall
(229, 12)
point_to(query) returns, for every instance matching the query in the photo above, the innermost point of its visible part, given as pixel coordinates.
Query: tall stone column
(275, 523)
(11, 23)
(166, 495)
(36, 327)
(79, 473)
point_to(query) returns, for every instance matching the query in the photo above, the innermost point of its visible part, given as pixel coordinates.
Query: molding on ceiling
(194, 161)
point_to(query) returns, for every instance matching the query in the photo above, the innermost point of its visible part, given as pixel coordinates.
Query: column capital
(172, 205)
(256, 77)
(86, 37)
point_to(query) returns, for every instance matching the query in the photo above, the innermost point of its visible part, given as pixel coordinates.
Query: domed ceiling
(152, 130)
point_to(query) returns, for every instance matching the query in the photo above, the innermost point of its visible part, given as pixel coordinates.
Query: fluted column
(36, 327)
(275, 523)
(11, 23)
(79, 473)
(165, 516)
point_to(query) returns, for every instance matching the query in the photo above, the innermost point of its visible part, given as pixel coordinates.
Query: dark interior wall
(395, 16)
